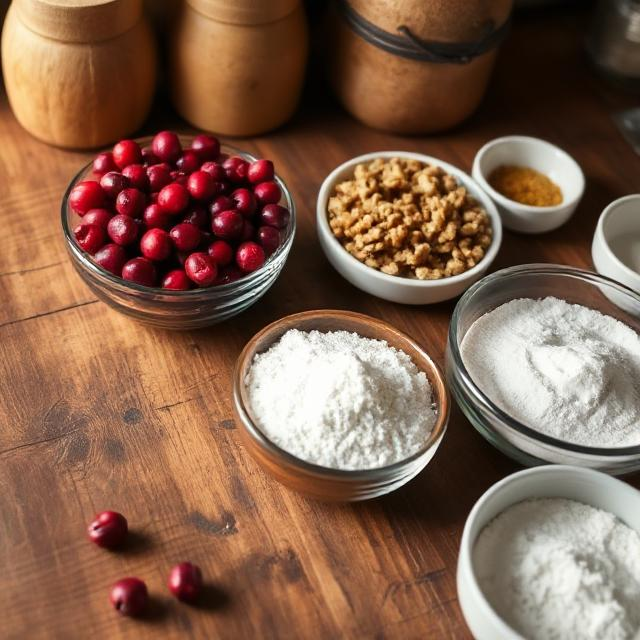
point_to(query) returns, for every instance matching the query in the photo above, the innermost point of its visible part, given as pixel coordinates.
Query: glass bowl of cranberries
(179, 232)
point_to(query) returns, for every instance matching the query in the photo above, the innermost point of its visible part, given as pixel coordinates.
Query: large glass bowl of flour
(544, 380)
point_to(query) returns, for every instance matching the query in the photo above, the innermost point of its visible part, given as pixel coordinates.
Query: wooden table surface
(99, 412)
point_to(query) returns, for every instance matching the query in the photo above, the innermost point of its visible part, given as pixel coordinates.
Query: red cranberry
(221, 252)
(207, 147)
(228, 224)
(229, 274)
(127, 152)
(176, 280)
(111, 257)
(149, 158)
(179, 177)
(235, 168)
(86, 195)
(140, 271)
(100, 217)
(173, 198)
(185, 236)
(123, 230)
(247, 231)
(188, 162)
(201, 269)
(113, 183)
(156, 245)
(260, 171)
(197, 216)
(249, 256)
(109, 528)
(267, 192)
(159, 176)
(185, 581)
(89, 237)
(155, 217)
(269, 238)
(104, 163)
(166, 146)
(201, 185)
(130, 202)
(137, 176)
(129, 596)
(273, 215)
(215, 170)
(221, 203)
(244, 201)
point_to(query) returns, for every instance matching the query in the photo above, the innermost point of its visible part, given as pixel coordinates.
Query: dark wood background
(99, 412)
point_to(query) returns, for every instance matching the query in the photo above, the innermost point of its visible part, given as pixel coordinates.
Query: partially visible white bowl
(542, 156)
(395, 288)
(555, 481)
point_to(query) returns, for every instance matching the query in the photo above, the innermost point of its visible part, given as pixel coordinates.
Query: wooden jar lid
(79, 20)
(244, 12)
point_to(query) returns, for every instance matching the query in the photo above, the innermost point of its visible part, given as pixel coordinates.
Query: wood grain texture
(99, 412)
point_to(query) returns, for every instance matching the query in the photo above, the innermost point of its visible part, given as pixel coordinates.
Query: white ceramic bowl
(542, 156)
(555, 481)
(395, 288)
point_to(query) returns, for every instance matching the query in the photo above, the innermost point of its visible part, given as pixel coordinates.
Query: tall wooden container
(414, 66)
(78, 73)
(237, 66)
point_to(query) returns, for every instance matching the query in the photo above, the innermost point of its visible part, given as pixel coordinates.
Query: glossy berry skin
(228, 225)
(188, 162)
(201, 185)
(159, 176)
(197, 216)
(173, 198)
(111, 257)
(273, 215)
(249, 256)
(186, 237)
(127, 152)
(104, 163)
(140, 271)
(90, 237)
(166, 146)
(176, 280)
(185, 581)
(123, 230)
(113, 183)
(129, 596)
(100, 217)
(221, 203)
(155, 217)
(148, 157)
(207, 147)
(180, 177)
(108, 529)
(221, 252)
(156, 245)
(131, 202)
(86, 195)
(267, 192)
(137, 176)
(201, 269)
(269, 239)
(244, 201)
(260, 171)
(215, 170)
(235, 169)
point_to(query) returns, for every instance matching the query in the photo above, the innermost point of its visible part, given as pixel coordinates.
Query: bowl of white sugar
(339, 406)
(547, 368)
(552, 552)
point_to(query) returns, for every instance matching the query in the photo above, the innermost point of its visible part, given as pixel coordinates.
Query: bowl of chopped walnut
(407, 227)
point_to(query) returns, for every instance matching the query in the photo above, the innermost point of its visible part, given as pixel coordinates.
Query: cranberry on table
(221, 252)
(201, 185)
(127, 152)
(111, 257)
(104, 163)
(156, 245)
(166, 146)
(221, 203)
(123, 230)
(267, 192)
(197, 216)
(201, 269)
(176, 280)
(140, 271)
(113, 183)
(173, 198)
(100, 217)
(260, 171)
(159, 176)
(185, 581)
(244, 201)
(207, 147)
(137, 176)
(188, 162)
(273, 215)
(249, 256)
(155, 216)
(235, 169)
(90, 237)
(185, 236)
(86, 195)
(228, 225)
(131, 202)
(129, 596)
(269, 239)
(108, 529)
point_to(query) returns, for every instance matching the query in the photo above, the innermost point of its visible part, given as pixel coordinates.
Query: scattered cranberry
(113, 183)
(201, 185)
(197, 216)
(140, 271)
(100, 217)
(173, 198)
(267, 192)
(156, 245)
(244, 201)
(166, 146)
(104, 163)
(260, 171)
(159, 176)
(249, 256)
(137, 176)
(185, 581)
(111, 257)
(207, 147)
(109, 528)
(130, 202)
(186, 237)
(221, 252)
(201, 269)
(188, 162)
(127, 152)
(269, 238)
(228, 224)
(247, 231)
(235, 169)
(221, 203)
(273, 215)
(129, 596)
(148, 157)
(155, 216)
(123, 230)
(176, 280)
(86, 195)
(215, 170)
(90, 237)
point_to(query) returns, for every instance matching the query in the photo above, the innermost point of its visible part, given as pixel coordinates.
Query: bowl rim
(439, 390)
(479, 397)
(461, 176)
(84, 259)
(513, 204)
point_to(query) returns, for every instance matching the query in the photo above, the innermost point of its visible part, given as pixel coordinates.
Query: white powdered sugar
(562, 369)
(556, 569)
(340, 400)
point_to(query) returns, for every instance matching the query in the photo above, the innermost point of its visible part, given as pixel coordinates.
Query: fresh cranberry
(244, 201)
(185, 581)
(179, 177)
(228, 224)
(113, 183)
(130, 202)
(269, 238)
(127, 152)
(249, 256)
(173, 198)
(201, 269)
(140, 271)
(159, 176)
(149, 158)
(155, 217)
(89, 237)
(197, 216)
(156, 245)
(123, 230)
(201, 185)
(207, 147)
(247, 231)
(109, 528)
(86, 195)
(273, 215)
(185, 236)
(111, 257)
(188, 162)
(129, 596)
(235, 168)
(104, 163)
(267, 192)
(221, 203)
(229, 274)
(215, 170)
(137, 176)
(260, 171)
(221, 252)
(166, 146)
(100, 217)
(176, 280)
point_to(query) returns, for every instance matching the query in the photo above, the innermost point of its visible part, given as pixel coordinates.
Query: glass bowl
(323, 483)
(517, 440)
(177, 309)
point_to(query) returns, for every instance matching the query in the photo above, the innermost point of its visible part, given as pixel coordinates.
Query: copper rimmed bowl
(319, 482)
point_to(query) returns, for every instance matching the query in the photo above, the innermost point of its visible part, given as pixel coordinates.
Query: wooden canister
(414, 66)
(237, 66)
(78, 73)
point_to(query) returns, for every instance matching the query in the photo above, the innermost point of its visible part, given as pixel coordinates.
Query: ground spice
(525, 185)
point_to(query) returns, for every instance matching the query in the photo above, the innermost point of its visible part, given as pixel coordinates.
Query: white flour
(562, 369)
(556, 569)
(340, 400)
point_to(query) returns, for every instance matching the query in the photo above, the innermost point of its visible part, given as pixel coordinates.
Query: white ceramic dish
(394, 288)
(542, 156)
(555, 481)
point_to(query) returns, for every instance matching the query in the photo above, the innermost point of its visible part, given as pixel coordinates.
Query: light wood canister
(237, 66)
(414, 66)
(78, 73)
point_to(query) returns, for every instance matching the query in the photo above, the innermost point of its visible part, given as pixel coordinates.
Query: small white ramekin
(555, 481)
(542, 156)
